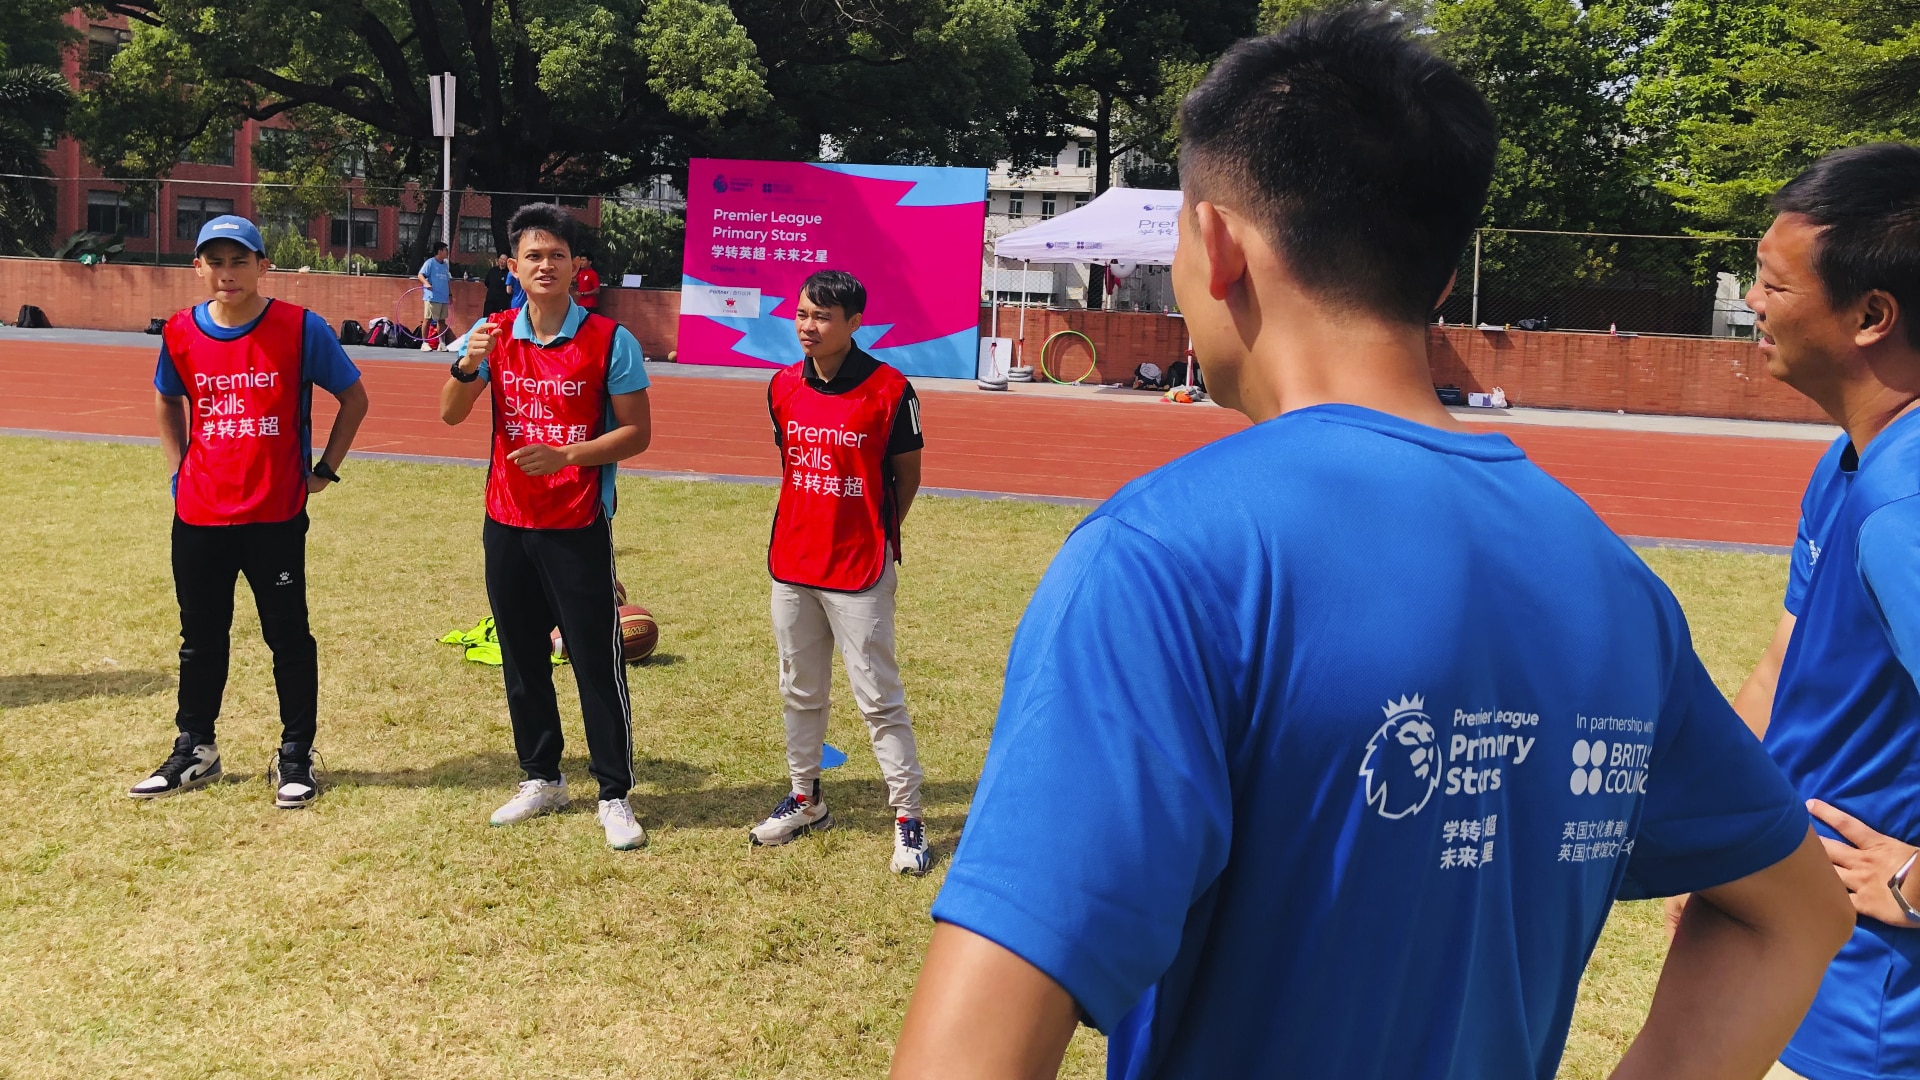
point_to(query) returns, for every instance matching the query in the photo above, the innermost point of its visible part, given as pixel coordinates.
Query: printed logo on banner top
(757, 229)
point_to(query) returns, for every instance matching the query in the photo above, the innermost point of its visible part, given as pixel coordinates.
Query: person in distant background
(498, 298)
(586, 284)
(439, 285)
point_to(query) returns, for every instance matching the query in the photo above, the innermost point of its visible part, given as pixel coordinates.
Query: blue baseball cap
(231, 227)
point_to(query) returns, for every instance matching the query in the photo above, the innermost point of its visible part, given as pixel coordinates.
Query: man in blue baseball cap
(234, 402)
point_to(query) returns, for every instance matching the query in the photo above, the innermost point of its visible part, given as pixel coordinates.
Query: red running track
(1691, 487)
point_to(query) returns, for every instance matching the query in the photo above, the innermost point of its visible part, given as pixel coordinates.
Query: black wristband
(325, 471)
(463, 376)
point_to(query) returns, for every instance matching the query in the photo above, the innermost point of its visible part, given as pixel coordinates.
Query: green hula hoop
(1093, 357)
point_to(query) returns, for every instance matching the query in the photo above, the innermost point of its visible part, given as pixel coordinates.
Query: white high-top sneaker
(623, 833)
(534, 798)
(795, 817)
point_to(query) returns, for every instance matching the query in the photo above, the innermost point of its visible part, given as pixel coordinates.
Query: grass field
(388, 931)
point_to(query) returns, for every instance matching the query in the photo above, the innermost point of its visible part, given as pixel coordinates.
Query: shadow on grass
(659, 659)
(20, 690)
(500, 769)
(858, 805)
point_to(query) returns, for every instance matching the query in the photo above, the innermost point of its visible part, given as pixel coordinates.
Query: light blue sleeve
(328, 366)
(1888, 553)
(1106, 808)
(425, 271)
(1716, 808)
(626, 371)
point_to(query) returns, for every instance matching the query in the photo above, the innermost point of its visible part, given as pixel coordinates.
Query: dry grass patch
(388, 931)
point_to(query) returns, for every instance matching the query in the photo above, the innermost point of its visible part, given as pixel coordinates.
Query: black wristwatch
(325, 471)
(463, 376)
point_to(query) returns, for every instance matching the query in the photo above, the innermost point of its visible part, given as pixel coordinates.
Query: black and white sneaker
(795, 817)
(291, 774)
(192, 764)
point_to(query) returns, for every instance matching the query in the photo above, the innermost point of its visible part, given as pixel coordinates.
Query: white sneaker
(534, 798)
(623, 833)
(795, 817)
(910, 854)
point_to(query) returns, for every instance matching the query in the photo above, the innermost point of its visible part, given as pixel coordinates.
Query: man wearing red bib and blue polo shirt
(848, 428)
(569, 402)
(235, 388)
(1836, 698)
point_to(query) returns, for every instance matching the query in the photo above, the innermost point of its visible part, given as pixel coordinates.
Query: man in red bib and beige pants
(848, 428)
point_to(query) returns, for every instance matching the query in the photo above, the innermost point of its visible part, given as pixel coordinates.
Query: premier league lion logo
(1402, 766)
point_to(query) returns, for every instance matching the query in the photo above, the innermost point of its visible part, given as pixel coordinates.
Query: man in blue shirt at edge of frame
(1194, 830)
(1837, 300)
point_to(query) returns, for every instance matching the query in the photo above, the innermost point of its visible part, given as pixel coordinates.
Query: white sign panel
(720, 302)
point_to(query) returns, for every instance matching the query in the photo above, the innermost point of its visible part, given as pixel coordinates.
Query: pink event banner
(912, 234)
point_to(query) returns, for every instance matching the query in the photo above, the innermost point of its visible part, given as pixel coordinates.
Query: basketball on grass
(639, 634)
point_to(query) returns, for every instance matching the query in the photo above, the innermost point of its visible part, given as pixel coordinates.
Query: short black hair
(1362, 156)
(549, 218)
(836, 288)
(1866, 200)
(439, 246)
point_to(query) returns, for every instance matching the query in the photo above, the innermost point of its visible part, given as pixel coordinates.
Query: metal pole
(158, 217)
(1022, 352)
(349, 226)
(1474, 319)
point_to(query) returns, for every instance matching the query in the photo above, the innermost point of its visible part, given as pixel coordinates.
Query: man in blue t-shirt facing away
(437, 280)
(1325, 750)
(1837, 301)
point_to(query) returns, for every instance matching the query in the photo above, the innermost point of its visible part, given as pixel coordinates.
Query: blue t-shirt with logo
(626, 372)
(322, 362)
(1846, 729)
(1325, 750)
(438, 279)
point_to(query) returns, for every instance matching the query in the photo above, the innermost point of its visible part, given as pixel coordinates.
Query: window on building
(102, 43)
(366, 230)
(352, 162)
(407, 233)
(1046, 206)
(1080, 200)
(213, 149)
(1016, 204)
(112, 212)
(1086, 158)
(475, 236)
(191, 212)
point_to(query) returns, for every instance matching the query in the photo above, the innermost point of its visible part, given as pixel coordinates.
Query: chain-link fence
(341, 227)
(1536, 280)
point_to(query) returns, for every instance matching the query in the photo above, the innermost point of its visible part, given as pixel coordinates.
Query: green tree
(34, 101)
(1118, 69)
(1741, 96)
(639, 240)
(561, 96)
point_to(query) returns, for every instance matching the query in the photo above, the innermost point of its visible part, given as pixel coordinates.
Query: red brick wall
(1674, 376)
(1662, 375)
(123, 296)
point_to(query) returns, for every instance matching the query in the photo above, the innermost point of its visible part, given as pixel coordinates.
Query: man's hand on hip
(1865, 861)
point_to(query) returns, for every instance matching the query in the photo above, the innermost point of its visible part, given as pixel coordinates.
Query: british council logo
(1588, 757)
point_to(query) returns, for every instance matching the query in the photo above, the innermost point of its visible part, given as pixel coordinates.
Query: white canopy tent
(1124, 226)
(1135, 225)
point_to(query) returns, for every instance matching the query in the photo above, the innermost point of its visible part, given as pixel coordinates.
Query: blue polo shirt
(322, 362)
(438, 278)
(1326, 749)
(1846, 729)
(626, 371)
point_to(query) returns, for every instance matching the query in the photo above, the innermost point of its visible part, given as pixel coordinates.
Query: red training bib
(554, 396)
(244, 446)
(834, 527)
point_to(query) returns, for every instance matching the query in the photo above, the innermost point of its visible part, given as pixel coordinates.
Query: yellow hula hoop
(1093, 357)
